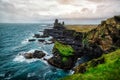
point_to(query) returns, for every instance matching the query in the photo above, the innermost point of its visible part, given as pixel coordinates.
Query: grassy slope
(80, 28)
(65, 50)
(110, 70)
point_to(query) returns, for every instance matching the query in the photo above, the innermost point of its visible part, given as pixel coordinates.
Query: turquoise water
(13, 42)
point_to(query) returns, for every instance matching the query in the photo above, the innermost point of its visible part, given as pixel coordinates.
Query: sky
(46, 10)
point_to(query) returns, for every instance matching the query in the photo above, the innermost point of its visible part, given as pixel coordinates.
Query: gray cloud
(35, 10)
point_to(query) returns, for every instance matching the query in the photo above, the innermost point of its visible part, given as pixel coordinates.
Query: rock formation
(35, 54)
(107, 34)
(104, 38)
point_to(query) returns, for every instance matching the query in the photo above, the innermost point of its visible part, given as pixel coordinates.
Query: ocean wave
(20, 57)
(43, 25)
(24, 41)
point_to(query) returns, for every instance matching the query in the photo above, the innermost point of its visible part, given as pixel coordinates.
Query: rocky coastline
(69, 45)
(91, 44)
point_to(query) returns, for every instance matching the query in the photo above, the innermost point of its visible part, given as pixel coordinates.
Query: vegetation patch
(65, 50)
(109, 70)
(64, 59)
(81, 28)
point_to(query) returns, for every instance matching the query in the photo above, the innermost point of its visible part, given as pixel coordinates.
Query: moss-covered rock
(63, 56)
(64, 50)
(108, 70)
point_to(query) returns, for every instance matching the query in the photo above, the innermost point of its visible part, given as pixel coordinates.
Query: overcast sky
(37, 10)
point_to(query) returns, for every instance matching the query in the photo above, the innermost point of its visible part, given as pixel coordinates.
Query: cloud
(35, 10)
(66, 1)
(97, 1)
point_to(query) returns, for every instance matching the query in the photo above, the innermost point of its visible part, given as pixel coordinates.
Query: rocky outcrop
(107, 34)
(41, 40)
(59, 61)
(106, 37)
(30, 40)
(35, 54)
(84, 66)
(58, 25)
(62, 56)
(40, 36)
(93, 44)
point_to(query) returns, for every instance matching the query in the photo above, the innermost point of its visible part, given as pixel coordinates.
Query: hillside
(108, 68)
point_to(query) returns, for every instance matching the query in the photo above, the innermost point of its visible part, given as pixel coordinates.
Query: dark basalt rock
(28, 55)
(57, 61)
(30, 40)
(37, 35)
(40, 36)
(52, 40)
(36, 54)
(41, 40)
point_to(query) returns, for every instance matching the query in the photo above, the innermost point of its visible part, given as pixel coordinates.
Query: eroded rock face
(58, 61)
(105, 37)
(35, 54)
(107, 34)
(84, 66)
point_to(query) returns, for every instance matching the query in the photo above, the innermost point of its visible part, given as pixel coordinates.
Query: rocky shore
(69, 45)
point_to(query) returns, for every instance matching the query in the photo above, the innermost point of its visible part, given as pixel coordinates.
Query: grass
(64, 59)
(110, 70)
(81, 28)
(65, 50)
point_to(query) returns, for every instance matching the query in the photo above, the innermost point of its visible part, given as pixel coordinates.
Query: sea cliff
(71, 45)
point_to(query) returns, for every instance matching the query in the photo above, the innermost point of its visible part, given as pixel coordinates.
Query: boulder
(38, 54)
(41, 40)
(37, 35)
(35, 54)
(28, 55)
(30, 40)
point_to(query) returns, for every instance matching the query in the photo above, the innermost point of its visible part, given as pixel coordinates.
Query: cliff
(107, 34)
(107, 37)
(71, 45)
(106, 67)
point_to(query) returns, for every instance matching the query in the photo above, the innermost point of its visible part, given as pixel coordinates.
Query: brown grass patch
(81, 28)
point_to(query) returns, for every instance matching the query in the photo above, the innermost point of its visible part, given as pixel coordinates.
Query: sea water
(13, 42)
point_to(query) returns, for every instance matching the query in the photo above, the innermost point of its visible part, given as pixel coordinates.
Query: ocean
(13, 42)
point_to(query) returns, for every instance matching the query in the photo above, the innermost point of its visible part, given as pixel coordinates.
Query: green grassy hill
(108, 70)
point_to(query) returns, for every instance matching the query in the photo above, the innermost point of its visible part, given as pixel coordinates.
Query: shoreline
(79, 41)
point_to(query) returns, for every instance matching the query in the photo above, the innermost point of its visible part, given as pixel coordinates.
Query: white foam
(41, 33)
(30, 74)
(24, 41)
(20, 57)
(48, 56)
(71, 72)
(43, 25)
